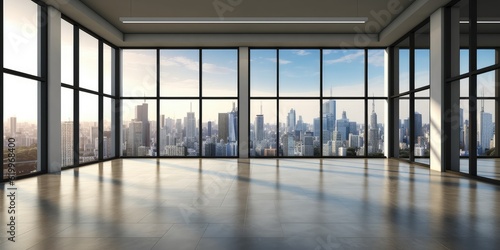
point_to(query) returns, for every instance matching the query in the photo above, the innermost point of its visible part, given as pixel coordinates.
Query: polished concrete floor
(265, 204)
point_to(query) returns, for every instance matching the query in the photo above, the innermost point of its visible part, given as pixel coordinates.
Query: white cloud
(181, 61)
(346, 58)
(301, 52)
(282, 61)
(376, 59)
(214, 69)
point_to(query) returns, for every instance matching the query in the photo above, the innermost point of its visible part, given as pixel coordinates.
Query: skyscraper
(67, 143)
(223, 123)
(317, 127)
(13, 126)
(233, 125)
(418, 125)
(485, 129)
(190, 125)
(291, 120)
(343, 126)
(329, 115)
(134, 138)
(259, 127)
(373, 133)
(141, 114)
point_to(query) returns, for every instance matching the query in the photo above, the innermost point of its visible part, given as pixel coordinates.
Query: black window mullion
(117, 104)
(473, 87)
(320, 103)
(412, 98)
(200, 105)
(278, 139)
(76, 99)
(100, 129)
(157, 103)
(366, 138)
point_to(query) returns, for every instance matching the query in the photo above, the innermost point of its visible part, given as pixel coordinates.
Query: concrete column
(243, 103)
(392, 132)
(444, 99)
(54, 90)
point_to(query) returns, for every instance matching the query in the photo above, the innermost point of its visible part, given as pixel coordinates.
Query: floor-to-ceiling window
(410, 95)
(180, 103)
(479, 86)
(317, 102)
(88, 101)
(22, 87)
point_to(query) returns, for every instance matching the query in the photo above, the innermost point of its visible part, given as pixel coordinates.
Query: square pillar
(243, 103)
(444, 99)
(54, 90)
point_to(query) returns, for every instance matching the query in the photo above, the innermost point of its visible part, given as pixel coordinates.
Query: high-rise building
(373, 132)
(67, 143)
(343, 126)
(209, 129)
(141, 114)
(307, 146)
(135, 138)
(317, 127)
(485, 130)
(13, 126)
(259, 127)
(329, 115)
(418, 125)
(233, 125)
(223, 123)
(291, 121)
(190, 125)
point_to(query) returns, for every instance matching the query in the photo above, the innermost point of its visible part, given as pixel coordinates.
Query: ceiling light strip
(482, 22)
(149, 20)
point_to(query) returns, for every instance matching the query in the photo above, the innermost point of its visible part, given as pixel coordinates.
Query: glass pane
(376, 73)
(464, 61)
(108, 69)
(263, 72)
(139, 128)
(180, 72)
(343, 73)
(67, 52)
(464, 136)
(263, 129)
(404, 128)
(486, 84)
(485, 127)
(21, 36)
(67, 127)
(402, 52)
(376, 128)
(108, 139)
(297, 128)
(220, 73)
(20, 107)
(89, 62)
(220, 128)
(422, 68)
(89, 127)
(485, 57)
(464, 87)
(347, 138)
(139, 73)
(299, 72)
(179, 133)
(422, 131)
